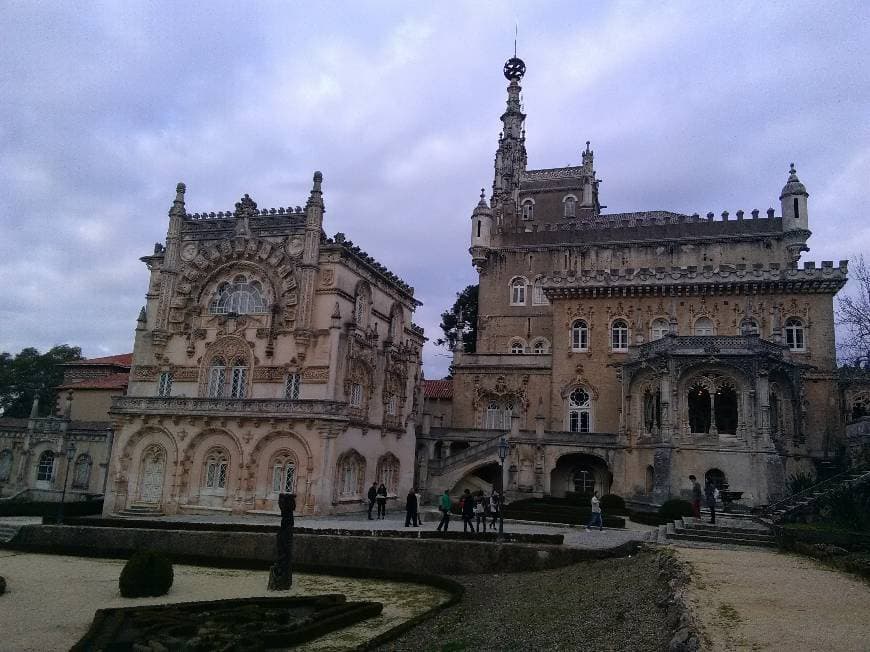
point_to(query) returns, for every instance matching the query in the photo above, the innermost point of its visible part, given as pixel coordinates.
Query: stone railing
(245, 407)
(473, 452)
(513, 360)
(707, 345)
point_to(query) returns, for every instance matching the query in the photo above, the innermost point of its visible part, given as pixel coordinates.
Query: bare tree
(853, 313)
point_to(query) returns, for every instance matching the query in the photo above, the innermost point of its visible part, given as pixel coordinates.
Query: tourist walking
(494, 507)
(480, 513)
(696, 496)
(444, 505)
(411, 509)
(467, 511)
(596, 514)
(373, 496)
(710, 494)
(382, 501)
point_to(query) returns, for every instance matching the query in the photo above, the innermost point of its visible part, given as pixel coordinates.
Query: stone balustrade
(230, 407)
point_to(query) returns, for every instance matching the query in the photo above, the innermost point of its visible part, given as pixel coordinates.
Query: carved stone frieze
(317, 375)
(144, 372)
(270, 374)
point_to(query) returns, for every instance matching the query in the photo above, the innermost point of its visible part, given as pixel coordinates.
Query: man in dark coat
(411, 509)
(467, 511)
(710, 495)
(372, 496)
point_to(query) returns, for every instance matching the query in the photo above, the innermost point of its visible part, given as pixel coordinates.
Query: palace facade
(623, 352)
(267, 359)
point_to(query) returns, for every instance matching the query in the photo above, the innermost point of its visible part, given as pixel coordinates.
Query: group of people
(378, 495)
(477, 510)
(711, 494)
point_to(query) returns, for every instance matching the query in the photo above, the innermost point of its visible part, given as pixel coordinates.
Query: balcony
(718, 345)
(229, 407)
(530, 361)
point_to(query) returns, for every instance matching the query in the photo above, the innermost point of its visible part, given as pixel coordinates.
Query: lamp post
(70, 453)
(503, 447)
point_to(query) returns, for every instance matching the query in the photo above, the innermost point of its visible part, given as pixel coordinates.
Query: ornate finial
(792, 173)
(178, 204)
(318, 177)
(514, 69)
(180, 189)
(141, 314)
(246, 207)
(587, 145)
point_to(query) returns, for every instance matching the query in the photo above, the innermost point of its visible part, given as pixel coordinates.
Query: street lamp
(503, 448)
(70, 453)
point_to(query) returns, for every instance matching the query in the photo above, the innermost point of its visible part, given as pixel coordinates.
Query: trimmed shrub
(675, 508)
(798, 482)
(2, 585)
(147, 573)
(648, 518)
(613, 503)
(71, 508)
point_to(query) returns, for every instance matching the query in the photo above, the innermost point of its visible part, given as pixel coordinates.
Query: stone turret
(511, 157)
(481, 233)
(795, 221)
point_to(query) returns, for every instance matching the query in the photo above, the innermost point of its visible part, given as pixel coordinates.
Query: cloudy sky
(690, 107)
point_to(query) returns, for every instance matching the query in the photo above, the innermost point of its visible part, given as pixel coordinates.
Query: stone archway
(581, 474)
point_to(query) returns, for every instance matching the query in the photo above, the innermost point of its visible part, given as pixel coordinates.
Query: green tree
(31, 372)
(459, 324)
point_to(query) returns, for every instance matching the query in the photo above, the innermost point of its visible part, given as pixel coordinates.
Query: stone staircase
(8, 532)
(807, 499)
(728, 530)
(141, 510)
(464, 457)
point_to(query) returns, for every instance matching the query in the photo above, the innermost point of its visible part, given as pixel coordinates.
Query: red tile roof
(124, 360)
(438, 388)
(112, 381)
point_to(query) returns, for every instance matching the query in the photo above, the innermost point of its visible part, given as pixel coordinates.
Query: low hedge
(613, 504)
(2, 585)
(675, 509)
(147, 573)
(649, 518)
(534, 509)
(48, 510)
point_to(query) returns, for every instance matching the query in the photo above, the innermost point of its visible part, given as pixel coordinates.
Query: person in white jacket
(596, 513)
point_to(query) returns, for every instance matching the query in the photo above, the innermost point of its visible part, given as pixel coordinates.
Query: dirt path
(760, 600)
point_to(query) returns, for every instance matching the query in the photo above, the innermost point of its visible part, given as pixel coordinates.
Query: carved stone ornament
(269, 374)
(317, 375)
(501, 390)
(185, 374)
(294, 246)
(189, 251)
(579, 380)
(144, 372)
(327, 277)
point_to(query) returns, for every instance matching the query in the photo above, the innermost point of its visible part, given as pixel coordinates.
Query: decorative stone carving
(316, 375)
(294, 246)
(269, 374)
(189, 251)
(144, 372)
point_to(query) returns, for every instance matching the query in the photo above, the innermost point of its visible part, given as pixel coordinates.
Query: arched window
(579, 336)
(5, 465)
(517, 346)
(619, 335)
(242, 296)
(794, 334)
(215, 476)
(859, 411)
(284, 474)
(216, 378)
(388, 473)
(518, 291)
(239, 385)
(703, 326)
(498, 415)
(699, 409)
(583, 479)
(579, 411)
(351, 474)
(749, 327)
(726, 410)
(540, 347)
(652, 411)
(528, 208)
(45, 467)
(658, 329)
(538, 296)
(82, 472)
(362, 305)
(569, 204)
(396, 323)
(650, 481)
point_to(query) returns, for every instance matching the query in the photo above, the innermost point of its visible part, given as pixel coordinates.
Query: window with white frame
(356, 395)
(517, 347)
(579, 335)
(795, 334)
(498, 415)
(392, 405)
(518, 291)
(216, 378)
(283, 474)
(216, 466)
(569, 204)
(538, 296)
(540, 347)
(45, 467)
(749, 327)
(82, 471)
(528, 209)
(291, 387)
(5, 465)
(658, 329)
(703, 327)
(164, 384)
(239, 385)
(619, 335)
(242, 296)
(579, 411)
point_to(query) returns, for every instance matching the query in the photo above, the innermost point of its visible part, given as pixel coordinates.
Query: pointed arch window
(82, 471)
(579, 411)
(283, 474)
(216, 378)
(45, 467)
(351, 474)
(795, 334)
(498, 415)
(388, 473)
(569, 204)
(216, 467)
(703, 327)
(241, 296)
(619, 335)
(518, 291)
(528, 209)
(749, 327)
(579, 335)
(538, 296)
(658, 329)
(5, 465)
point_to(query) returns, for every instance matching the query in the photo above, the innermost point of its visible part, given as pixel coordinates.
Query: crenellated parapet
(368, 261)
(694, 280)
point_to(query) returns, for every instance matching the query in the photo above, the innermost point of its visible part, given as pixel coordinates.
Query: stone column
(763, 401)
(713, 430)
(665, 394)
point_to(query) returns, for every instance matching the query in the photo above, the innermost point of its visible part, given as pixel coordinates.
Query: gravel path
(602, 605)
(760, 600)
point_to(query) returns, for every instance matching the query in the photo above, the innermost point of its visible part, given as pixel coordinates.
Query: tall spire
(511, 157)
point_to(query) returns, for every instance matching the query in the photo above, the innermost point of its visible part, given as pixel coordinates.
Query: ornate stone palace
(623, 352)
(268, 358)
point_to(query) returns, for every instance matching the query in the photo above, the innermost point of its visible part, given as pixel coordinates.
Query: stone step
(726, 529)
(731, 540)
